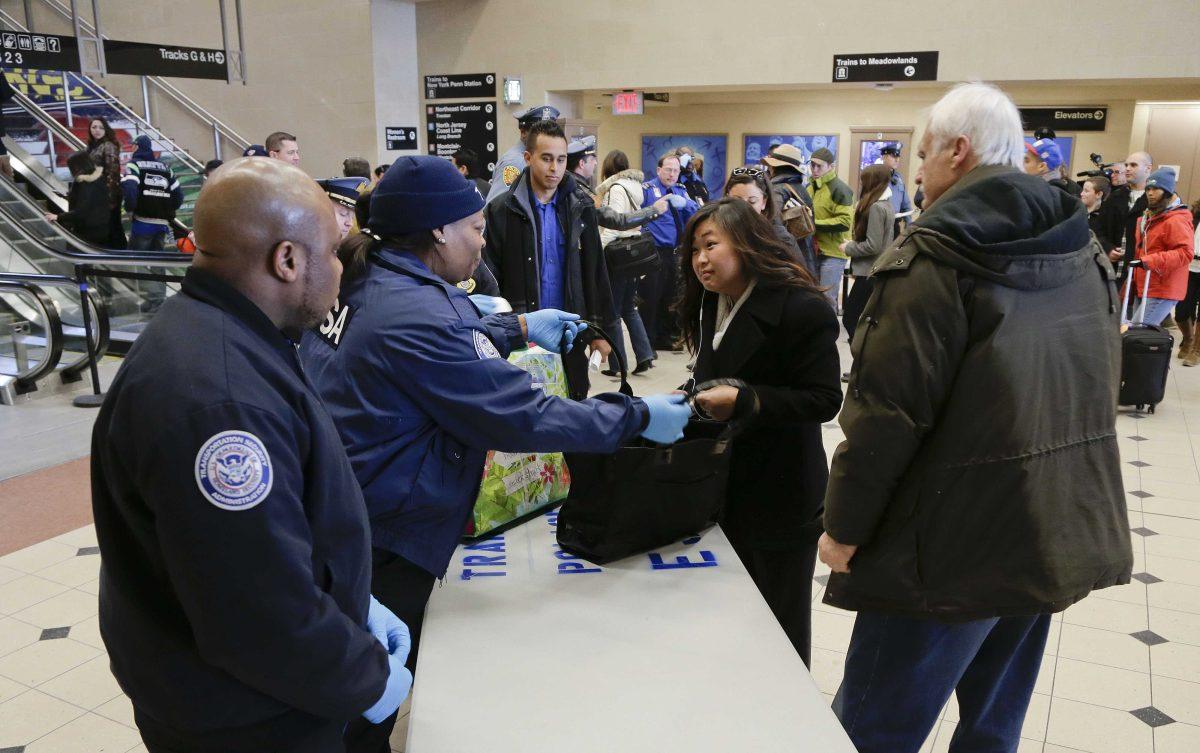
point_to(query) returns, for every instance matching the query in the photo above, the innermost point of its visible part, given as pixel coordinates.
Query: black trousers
(1185, 310)
(784, 578)
(659, 292)
(856, 301)
(403, 588)
(116, 230)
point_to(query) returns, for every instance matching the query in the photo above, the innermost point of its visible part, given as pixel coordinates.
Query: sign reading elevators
(885, 66)
(1064, 118)
(469, 124)
(460, 86)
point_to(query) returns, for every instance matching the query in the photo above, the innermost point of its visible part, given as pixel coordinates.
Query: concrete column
(397, 83)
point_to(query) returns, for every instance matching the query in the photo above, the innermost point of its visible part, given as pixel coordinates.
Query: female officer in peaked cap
(419, 388)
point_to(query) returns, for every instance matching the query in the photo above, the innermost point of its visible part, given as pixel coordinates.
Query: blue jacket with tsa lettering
(666, 229)
(419, 388)
(236, 555)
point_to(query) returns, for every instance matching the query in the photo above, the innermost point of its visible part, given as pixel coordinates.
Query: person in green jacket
(833, 214)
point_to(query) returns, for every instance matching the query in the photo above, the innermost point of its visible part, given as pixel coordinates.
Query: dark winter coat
(783, 344)
(980, 474)
(88, 216)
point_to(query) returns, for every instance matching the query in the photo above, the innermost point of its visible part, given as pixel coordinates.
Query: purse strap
(625, 389)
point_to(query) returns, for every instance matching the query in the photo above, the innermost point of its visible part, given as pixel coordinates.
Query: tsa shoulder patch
(510, 174)
(484, 347)
(234, 471)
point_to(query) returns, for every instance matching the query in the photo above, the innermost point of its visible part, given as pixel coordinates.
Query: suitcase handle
(1125, 302)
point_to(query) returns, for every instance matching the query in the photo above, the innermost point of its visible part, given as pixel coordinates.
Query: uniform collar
(406, 262)
(208, 288)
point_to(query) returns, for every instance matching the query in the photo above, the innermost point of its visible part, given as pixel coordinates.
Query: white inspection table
(528, 649)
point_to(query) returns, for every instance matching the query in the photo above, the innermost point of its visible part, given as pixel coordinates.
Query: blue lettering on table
(708, 559)
(495, 545)
(570, 564)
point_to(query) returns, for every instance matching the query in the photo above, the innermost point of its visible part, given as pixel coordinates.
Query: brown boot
(1188, 328)
(1192, 357)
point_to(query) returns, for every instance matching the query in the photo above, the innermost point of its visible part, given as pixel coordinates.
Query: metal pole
(237, 9)
(225, 44)
(67, 98)
(146, 101)
(97, 397)
(50, 150)
(28, 16)
(216, 142)
(99, 37)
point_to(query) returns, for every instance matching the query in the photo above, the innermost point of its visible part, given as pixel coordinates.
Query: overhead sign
(1064, 118)
(142, 59)
(400, 137)
(627, 103)
(885, 66)
(49, 52)
(460, 86)
(467, 124)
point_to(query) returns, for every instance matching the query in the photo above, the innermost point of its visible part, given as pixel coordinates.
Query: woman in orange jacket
(1164, 247)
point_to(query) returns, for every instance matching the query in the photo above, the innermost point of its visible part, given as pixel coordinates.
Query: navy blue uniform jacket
(419, 388)
(236, 558)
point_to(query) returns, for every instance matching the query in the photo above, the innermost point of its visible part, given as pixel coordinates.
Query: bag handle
(624, 389)
(1141, 312)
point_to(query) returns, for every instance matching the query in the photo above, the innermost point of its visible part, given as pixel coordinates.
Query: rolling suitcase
(1145, 356)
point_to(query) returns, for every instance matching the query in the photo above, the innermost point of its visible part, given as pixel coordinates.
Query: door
(1173, 138)
(865, 144)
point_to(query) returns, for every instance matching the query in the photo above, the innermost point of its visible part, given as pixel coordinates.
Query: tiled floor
(1121, 672)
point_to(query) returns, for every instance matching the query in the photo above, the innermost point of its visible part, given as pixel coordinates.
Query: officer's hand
(488, 304)
(399, 682)
(549, 327)
(676, 201)
(388, 629)
(669, 414)
(661, 205)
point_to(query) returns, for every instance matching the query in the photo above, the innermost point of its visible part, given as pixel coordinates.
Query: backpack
(798, 219)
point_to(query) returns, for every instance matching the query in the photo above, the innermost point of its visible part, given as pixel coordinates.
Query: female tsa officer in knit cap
(418, 385)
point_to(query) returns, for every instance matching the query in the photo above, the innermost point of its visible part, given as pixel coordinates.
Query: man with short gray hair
(979, 489)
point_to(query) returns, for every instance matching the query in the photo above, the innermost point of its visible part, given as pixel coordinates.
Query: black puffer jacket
(980, 474)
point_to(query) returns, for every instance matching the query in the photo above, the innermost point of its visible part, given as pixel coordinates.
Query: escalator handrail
(50, 123)
(54, 332)
(100, 309)
(81, 252)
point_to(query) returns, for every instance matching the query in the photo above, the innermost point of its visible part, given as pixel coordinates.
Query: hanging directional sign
(48, 52)
(400, 137)
(141, 59)
(1064, 118)
(460, 85)
(885, 66)
(469, 124)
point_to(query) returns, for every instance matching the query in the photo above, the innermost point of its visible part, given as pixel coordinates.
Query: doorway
(865, 144)
(1173, 139)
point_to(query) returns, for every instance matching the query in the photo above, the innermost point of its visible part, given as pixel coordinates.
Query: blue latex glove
(388, 629)
(669, 414)
(676, 201)
(398, 684)
(488, 304)
(548, 327)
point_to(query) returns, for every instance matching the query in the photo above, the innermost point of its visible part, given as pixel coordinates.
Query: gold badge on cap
(467, 285)
(510, 174)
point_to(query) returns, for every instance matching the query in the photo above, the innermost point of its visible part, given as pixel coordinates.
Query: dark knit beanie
(421, 193)
(824, 155)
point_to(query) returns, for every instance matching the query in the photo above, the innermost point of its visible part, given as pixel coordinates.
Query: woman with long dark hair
(752, 184)
(873, 231)
(755, 317)
(105, 150)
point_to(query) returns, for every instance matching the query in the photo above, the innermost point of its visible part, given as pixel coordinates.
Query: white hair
(986, 116)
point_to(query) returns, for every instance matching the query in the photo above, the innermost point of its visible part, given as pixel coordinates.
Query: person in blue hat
(343, 194)
(1045, 159)
(512, 162)
(255, 150)
(418, 385)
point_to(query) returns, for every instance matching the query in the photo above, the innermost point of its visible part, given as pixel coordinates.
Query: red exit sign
(627, 103)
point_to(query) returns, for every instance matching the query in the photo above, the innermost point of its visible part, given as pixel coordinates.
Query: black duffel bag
(632, 256)
(645, 495)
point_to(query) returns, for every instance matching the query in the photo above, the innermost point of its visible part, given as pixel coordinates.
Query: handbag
(799, 219)
(645, 496)
(631, 255)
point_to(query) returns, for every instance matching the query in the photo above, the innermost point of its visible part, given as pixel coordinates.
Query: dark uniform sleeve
(486, 402)
(245, 577)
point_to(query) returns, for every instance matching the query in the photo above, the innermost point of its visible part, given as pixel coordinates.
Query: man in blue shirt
(890, 156)
(542, 244)
(658, 291)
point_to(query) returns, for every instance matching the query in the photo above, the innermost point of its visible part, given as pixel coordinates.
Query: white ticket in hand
(595, 361)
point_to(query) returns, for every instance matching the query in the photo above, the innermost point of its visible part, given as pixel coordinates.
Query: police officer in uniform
(234, 589)
(890, 156)
(512, 162)
(343, 193)
(420, 389)
(582, 162)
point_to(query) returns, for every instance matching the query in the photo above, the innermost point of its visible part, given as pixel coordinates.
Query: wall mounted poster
(756, 145)
(712, 147)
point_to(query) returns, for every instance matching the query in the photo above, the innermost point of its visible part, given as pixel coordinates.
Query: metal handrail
(72, 372)
(82, 252)
(170, 89)
(51, 124)
(27, 380)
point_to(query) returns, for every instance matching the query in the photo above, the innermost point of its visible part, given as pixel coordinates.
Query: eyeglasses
(753, 172)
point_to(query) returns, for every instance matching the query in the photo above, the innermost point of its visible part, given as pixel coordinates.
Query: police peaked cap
(536, 113)
(584, 146)
(344, 191)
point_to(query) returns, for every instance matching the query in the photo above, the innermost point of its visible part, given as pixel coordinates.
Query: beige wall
(310, 66)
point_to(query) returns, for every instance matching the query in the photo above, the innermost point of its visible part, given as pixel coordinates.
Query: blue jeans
(829, 274)
(900, 671)
(624, 293)
(153, 292)
(1156, 309)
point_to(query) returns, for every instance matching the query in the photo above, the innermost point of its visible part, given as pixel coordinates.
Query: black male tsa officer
(234, 589)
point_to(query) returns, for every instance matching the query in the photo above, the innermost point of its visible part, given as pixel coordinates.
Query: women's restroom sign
(399, 138)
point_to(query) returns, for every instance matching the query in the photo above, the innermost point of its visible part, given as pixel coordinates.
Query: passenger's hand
(842, 246)
(676, 201)
(601, 346)
(547, 328)
(669, 415)
(399, 683)
(661, 205)
(488, 304)
(836, 555)
(1115, 255)
(718, 402)
(51, 217)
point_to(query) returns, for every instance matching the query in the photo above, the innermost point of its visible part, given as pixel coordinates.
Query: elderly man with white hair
(979, 488)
